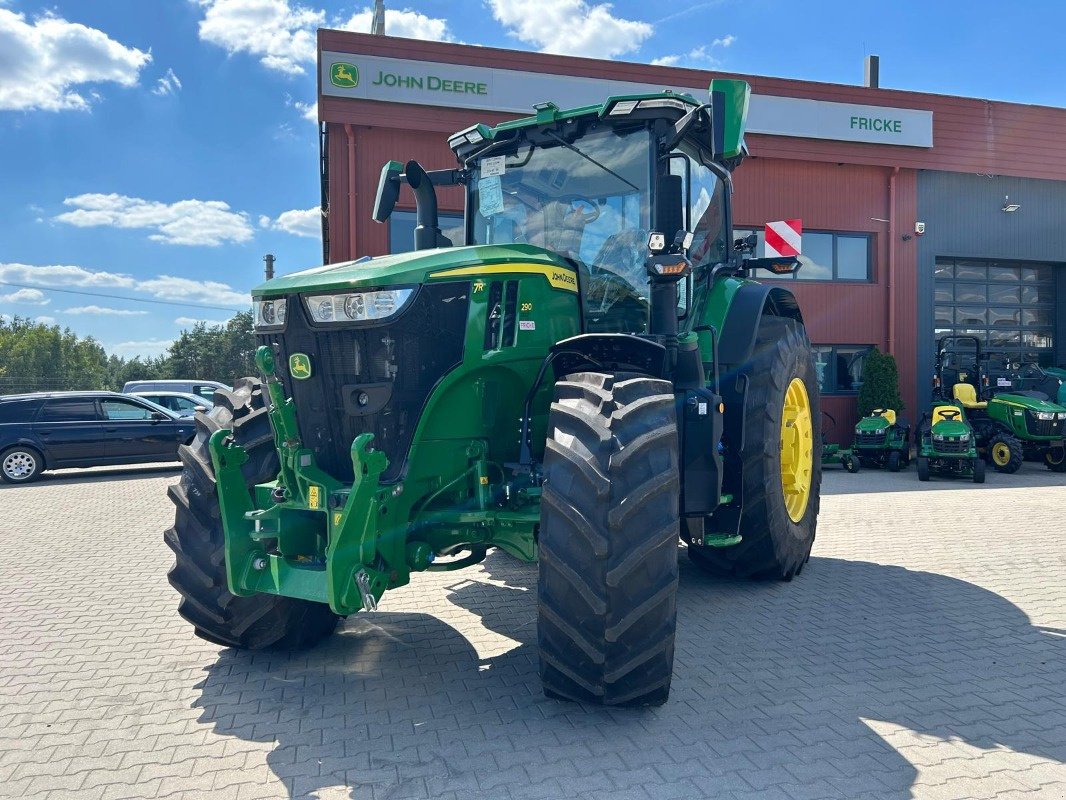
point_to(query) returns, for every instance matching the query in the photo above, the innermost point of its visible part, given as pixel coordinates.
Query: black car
(84, 429)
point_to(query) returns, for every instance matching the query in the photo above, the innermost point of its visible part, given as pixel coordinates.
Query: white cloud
(297, 222)
(44, 63)
(162, 287)
(63, 275)
(190, 321)
(168, 84)
(406, 23)
(187, 222)
(144, 348)
(30, 297)
(168, 287)
(308, 111)
(104, 311)
(45, 320)
(702, 56)
(280, 33)
(570, 27)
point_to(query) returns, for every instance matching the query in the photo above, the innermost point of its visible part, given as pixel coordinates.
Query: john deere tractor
(947, 445)
(587, 378)
(1010, 426)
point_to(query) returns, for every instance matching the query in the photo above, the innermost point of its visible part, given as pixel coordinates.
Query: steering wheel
(950, 416)
(586, 210)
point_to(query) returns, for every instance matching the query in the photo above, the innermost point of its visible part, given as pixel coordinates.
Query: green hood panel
(403, 269)
(953, 428)
(871, 424)
(1031, 403)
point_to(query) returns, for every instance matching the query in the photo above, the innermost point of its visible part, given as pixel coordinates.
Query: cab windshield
(589, 202)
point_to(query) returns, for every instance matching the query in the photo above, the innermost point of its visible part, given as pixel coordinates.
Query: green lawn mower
(883, 440)
(1010, 426)
(947, 445)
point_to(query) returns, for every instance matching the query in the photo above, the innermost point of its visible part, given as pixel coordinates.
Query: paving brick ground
(920, 654)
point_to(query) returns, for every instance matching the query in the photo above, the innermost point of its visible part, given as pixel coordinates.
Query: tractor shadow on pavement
(778, 688)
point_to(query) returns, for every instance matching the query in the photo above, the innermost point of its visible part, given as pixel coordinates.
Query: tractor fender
(751, 302)
(608, 352)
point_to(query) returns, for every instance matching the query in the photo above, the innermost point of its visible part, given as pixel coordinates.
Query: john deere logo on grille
(344, 75)
(300, 366)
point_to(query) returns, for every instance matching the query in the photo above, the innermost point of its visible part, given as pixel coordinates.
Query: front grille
(1043, 427)
(867, 439)
(394, 365)
(952, 446)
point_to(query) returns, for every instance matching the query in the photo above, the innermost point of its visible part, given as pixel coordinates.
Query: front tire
(893, 461)
(260, 621)
(978, 470)
(923, 468)
(851, 464)
(608, 541)
(20, 465)
(1055, 459)
(1006, 453)
(780, 512)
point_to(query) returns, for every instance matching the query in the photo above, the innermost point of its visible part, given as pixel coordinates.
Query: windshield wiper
(587, 157)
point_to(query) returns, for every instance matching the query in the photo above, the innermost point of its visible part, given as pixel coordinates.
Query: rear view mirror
(388, 190)
(159, 416)
(200, 409)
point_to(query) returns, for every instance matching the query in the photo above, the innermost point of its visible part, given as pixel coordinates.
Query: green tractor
(833, 453)
(883, 440)
(947, 445)
(1044, 384)
(590, 377)
(1010, 426)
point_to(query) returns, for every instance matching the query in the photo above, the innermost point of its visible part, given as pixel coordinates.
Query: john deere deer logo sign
(344, 75)
(300, 366)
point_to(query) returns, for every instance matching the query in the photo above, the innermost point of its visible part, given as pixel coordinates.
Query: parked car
(184, 404)
(56, 430)
(206, 389)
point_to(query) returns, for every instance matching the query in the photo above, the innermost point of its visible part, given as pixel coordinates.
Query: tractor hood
(406, 269)
(951, 428)
(1030, 403)
(871, 424)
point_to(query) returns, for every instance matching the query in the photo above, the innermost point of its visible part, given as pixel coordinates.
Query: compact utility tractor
(588, 378)
(947, 445)
(883, 440)
(1010, 426)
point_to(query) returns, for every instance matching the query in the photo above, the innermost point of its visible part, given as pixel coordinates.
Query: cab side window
(74, 409)
(124, 410)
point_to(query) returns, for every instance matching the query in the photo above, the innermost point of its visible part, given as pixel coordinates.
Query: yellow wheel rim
(1001, 454)
(797, 449)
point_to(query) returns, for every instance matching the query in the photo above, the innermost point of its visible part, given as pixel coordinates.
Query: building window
(839, 367)
(1009, 307)
(827, 256)
(402, 230)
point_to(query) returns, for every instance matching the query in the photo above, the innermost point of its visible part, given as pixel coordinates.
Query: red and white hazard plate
(784, 238)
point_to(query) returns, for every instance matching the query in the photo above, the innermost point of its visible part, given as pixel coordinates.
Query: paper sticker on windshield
(491, 196)
(492, 167)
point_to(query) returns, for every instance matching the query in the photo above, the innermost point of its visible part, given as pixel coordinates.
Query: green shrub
(880, 383)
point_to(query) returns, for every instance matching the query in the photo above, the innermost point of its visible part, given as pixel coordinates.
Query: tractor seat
(952, 414)
(887, 413)
(967, 395)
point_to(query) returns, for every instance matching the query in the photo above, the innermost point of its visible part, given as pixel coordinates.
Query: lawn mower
(947, 445)
(883, 440)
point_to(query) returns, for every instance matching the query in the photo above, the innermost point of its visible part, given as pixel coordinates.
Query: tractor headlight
(1062, 416)
(357, 306)
(1045, 415)
(964, 438)
(270, 313)
(879, 431)
(938, 437)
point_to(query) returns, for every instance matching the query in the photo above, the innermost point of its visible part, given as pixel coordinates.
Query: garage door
(1009, 306)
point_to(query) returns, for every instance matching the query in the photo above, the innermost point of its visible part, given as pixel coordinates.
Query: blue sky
(155, 149)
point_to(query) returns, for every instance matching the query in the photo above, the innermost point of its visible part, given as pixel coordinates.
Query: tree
(880, 383)
(219, 352)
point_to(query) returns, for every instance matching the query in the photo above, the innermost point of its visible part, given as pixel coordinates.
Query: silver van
(205, 389)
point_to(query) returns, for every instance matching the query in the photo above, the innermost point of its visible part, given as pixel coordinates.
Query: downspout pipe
(891, 278)
(350, 136)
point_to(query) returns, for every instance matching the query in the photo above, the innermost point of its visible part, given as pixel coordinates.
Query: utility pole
(268, 269)
(377, 27)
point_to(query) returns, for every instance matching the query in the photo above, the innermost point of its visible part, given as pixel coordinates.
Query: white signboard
(394, 80)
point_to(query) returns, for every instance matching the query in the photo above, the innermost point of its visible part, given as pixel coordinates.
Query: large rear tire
(608, 541)
(779, 517)
(199, 573)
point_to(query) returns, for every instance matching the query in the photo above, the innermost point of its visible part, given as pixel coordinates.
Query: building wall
(964, 219)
